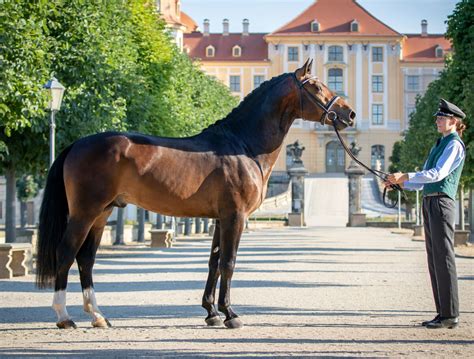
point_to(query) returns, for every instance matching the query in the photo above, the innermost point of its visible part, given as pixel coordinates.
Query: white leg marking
(90, 304)
(59, 305)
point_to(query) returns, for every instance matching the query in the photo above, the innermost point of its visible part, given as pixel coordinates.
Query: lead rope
(380, 174)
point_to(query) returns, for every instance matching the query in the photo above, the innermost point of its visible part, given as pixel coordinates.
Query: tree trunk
(10, 210)
(141, 225)
(119, 227)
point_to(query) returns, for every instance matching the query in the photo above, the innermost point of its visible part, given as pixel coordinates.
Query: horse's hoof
(101, 323)
(233, 323)
(66, 324)
(214, 321)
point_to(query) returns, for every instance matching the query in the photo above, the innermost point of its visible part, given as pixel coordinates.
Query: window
(258, 80)
(335, 53)
(377, 114)
(236, 51)
(210, 51)
(315, 26)
(335, 80)
(377, 156)
(413, 83)
(354, 26)
(158, 5)
(292, 53)
(234, 83)
(377, 83)
(439, 51)
(377, 54)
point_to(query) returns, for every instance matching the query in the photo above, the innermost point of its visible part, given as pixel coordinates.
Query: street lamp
(56, 91)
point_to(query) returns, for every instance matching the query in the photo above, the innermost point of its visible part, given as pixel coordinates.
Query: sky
(266, 16)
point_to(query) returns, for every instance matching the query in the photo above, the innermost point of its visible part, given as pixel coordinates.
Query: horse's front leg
(230, 232)
(213, 318)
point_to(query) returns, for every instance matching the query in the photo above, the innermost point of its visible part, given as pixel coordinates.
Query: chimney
(225, 27)
(245, 24)
(206, 27)
(424, 28)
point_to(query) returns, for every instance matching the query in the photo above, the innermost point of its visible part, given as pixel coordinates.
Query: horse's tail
(52, 223)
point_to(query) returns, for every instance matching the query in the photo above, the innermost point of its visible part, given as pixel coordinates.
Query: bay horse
(221, 173)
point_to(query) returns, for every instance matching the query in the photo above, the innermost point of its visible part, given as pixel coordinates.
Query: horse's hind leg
(230, 232)
(85, 260)
(76, 232)
(213, 318)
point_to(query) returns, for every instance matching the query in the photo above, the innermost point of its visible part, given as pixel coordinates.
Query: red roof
(187, 21)
(335, 17)
(419, 48)
(254, 47)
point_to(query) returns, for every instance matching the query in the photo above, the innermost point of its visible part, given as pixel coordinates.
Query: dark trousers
(439, 216)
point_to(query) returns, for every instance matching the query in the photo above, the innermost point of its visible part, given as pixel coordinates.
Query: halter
(332, 115)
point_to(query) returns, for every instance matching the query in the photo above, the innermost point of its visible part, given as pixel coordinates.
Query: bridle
(332, 115)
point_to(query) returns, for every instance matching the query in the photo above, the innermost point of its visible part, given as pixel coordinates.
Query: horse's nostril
(352, 115)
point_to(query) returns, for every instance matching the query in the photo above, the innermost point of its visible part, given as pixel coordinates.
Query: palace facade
(378, 70)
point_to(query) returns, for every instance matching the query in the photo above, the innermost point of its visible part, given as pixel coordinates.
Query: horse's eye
(318, 88)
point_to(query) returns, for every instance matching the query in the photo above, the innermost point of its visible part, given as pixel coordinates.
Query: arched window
(315, 26)
(335, 53)
(354, 26)
(377, 154)
(236, 51)
(210, 51)
(335, 82)
(439, 51)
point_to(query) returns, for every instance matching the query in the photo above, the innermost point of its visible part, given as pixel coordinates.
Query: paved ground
(300, 292)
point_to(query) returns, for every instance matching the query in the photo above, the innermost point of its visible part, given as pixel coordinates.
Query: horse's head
(318, 103)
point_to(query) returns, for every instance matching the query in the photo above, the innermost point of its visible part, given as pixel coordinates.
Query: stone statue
(355, 149)
(296, 151)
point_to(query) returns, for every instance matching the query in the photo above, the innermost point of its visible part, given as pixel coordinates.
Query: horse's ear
(302, 71)
(309, 67)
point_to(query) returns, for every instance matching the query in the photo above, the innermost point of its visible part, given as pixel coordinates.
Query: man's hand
(397, 177)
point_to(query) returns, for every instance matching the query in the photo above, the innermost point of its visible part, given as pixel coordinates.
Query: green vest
(449, 184)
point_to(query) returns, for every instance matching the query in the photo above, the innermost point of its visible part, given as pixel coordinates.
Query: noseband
(332, 115)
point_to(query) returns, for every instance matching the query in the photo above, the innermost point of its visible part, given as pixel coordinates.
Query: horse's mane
(247, 102)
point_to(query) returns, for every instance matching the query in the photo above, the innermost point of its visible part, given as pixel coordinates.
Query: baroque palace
(377, 69)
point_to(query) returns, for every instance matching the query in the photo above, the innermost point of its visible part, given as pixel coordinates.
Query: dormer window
(354, 26)
(439, 51)
(236, 51)
(315, 26)
(210, 51)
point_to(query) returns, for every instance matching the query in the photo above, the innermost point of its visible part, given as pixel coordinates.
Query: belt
(435, 194)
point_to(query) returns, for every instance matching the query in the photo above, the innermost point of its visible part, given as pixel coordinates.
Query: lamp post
(56, 91)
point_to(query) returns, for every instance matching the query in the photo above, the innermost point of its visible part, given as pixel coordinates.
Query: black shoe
(443, 322)
(426, 322)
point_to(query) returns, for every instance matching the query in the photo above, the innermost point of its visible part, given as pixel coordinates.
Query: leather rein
(332, 115)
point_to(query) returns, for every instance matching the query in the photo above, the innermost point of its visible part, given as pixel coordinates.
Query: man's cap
(446, 108)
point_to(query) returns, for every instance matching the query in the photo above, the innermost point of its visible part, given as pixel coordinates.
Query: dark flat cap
(446, 108)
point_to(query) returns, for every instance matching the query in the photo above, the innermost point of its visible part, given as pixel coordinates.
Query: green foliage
(120, 68)
(27, 188)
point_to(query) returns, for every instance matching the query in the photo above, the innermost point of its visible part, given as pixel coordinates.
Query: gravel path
(300, 292)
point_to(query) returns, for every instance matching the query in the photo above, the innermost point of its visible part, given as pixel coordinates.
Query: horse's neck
(264, 135)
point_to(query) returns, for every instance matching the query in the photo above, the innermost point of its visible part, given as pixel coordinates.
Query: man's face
(445, 123)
